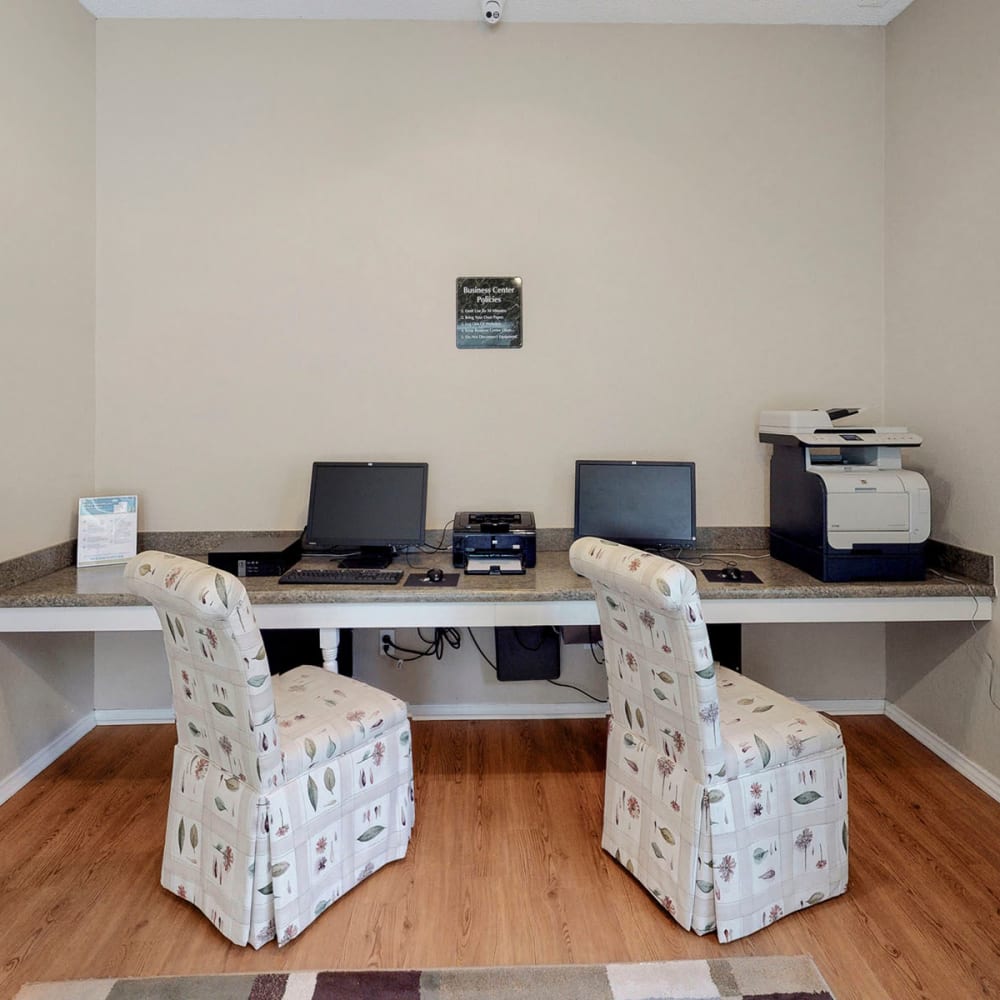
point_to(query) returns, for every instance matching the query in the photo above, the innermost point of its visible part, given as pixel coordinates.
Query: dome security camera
(492, 11)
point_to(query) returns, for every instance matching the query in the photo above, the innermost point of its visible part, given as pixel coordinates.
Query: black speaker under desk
(527, 653)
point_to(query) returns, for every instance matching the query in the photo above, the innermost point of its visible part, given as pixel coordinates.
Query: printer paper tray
(495, 565)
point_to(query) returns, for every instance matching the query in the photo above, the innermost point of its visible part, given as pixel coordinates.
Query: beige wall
(46, 701)
(942, 324)
(284, 207)
(47, 236)
(841, 666)
(700, 216)
(47, 164)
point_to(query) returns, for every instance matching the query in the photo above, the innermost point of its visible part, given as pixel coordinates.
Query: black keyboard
(337, 574)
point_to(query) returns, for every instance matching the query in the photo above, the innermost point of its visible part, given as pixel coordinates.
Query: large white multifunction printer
(842, 505)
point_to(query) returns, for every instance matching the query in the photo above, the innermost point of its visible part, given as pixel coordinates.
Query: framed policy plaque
(488, 312)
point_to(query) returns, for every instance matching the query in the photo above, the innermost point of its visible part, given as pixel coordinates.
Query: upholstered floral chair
(286, 791)
(726, 800)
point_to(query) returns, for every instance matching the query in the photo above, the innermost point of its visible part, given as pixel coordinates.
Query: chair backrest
(661, 673)
(218, 667)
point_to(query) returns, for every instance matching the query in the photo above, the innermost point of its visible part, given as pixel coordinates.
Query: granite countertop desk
(68, 599)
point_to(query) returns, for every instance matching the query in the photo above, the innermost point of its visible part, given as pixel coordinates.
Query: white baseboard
(32, 767)
(477, 710)
(132, 716)
(496, 710)
(979, 776)
(870, 706)
(592, 710)
(37, 763)
(485, 710)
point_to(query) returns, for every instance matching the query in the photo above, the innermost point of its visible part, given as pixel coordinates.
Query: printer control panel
(834, 439)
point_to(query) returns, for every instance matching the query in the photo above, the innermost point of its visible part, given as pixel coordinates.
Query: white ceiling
(864, 12)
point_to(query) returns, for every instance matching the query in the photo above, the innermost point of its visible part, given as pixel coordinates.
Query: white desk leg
(329, 640)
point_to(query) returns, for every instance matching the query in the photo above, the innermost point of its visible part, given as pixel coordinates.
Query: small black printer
(495, 542)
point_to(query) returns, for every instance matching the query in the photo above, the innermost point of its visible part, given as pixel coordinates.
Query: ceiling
(862, 12)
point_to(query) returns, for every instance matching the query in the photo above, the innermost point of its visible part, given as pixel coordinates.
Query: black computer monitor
(646, 504)
(367, 509)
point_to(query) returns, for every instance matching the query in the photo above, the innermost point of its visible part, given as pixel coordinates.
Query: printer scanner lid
(815, 428)
(507, 522)
(802, 421)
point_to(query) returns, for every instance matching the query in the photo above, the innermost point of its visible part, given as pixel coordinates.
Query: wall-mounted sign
(488, 312)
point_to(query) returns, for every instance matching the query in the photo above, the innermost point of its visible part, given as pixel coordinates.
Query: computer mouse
(732, 573)
(435, 575)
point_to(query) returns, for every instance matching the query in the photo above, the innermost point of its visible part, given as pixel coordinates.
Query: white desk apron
(485, 613)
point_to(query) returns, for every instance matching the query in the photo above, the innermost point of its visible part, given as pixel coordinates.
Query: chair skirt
(263, 865)
(731, 856)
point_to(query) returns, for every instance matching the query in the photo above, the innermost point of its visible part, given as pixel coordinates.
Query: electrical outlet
(386, 638)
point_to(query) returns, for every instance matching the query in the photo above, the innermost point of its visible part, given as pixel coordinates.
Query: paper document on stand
(107, 529)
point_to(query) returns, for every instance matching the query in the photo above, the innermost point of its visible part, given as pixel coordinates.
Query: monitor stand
(370, 557)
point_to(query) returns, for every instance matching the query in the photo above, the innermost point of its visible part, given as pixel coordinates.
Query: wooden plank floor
(504, 868)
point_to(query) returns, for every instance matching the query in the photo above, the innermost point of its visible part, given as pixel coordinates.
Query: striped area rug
(763, 978)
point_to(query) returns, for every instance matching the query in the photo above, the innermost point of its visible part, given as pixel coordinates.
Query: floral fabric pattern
(286, 791)
(726, 800)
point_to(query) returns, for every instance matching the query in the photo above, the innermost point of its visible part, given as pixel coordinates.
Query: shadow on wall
(939, 674)
(818, 661)
(914, 650)
(941, 493)
(46, 687)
